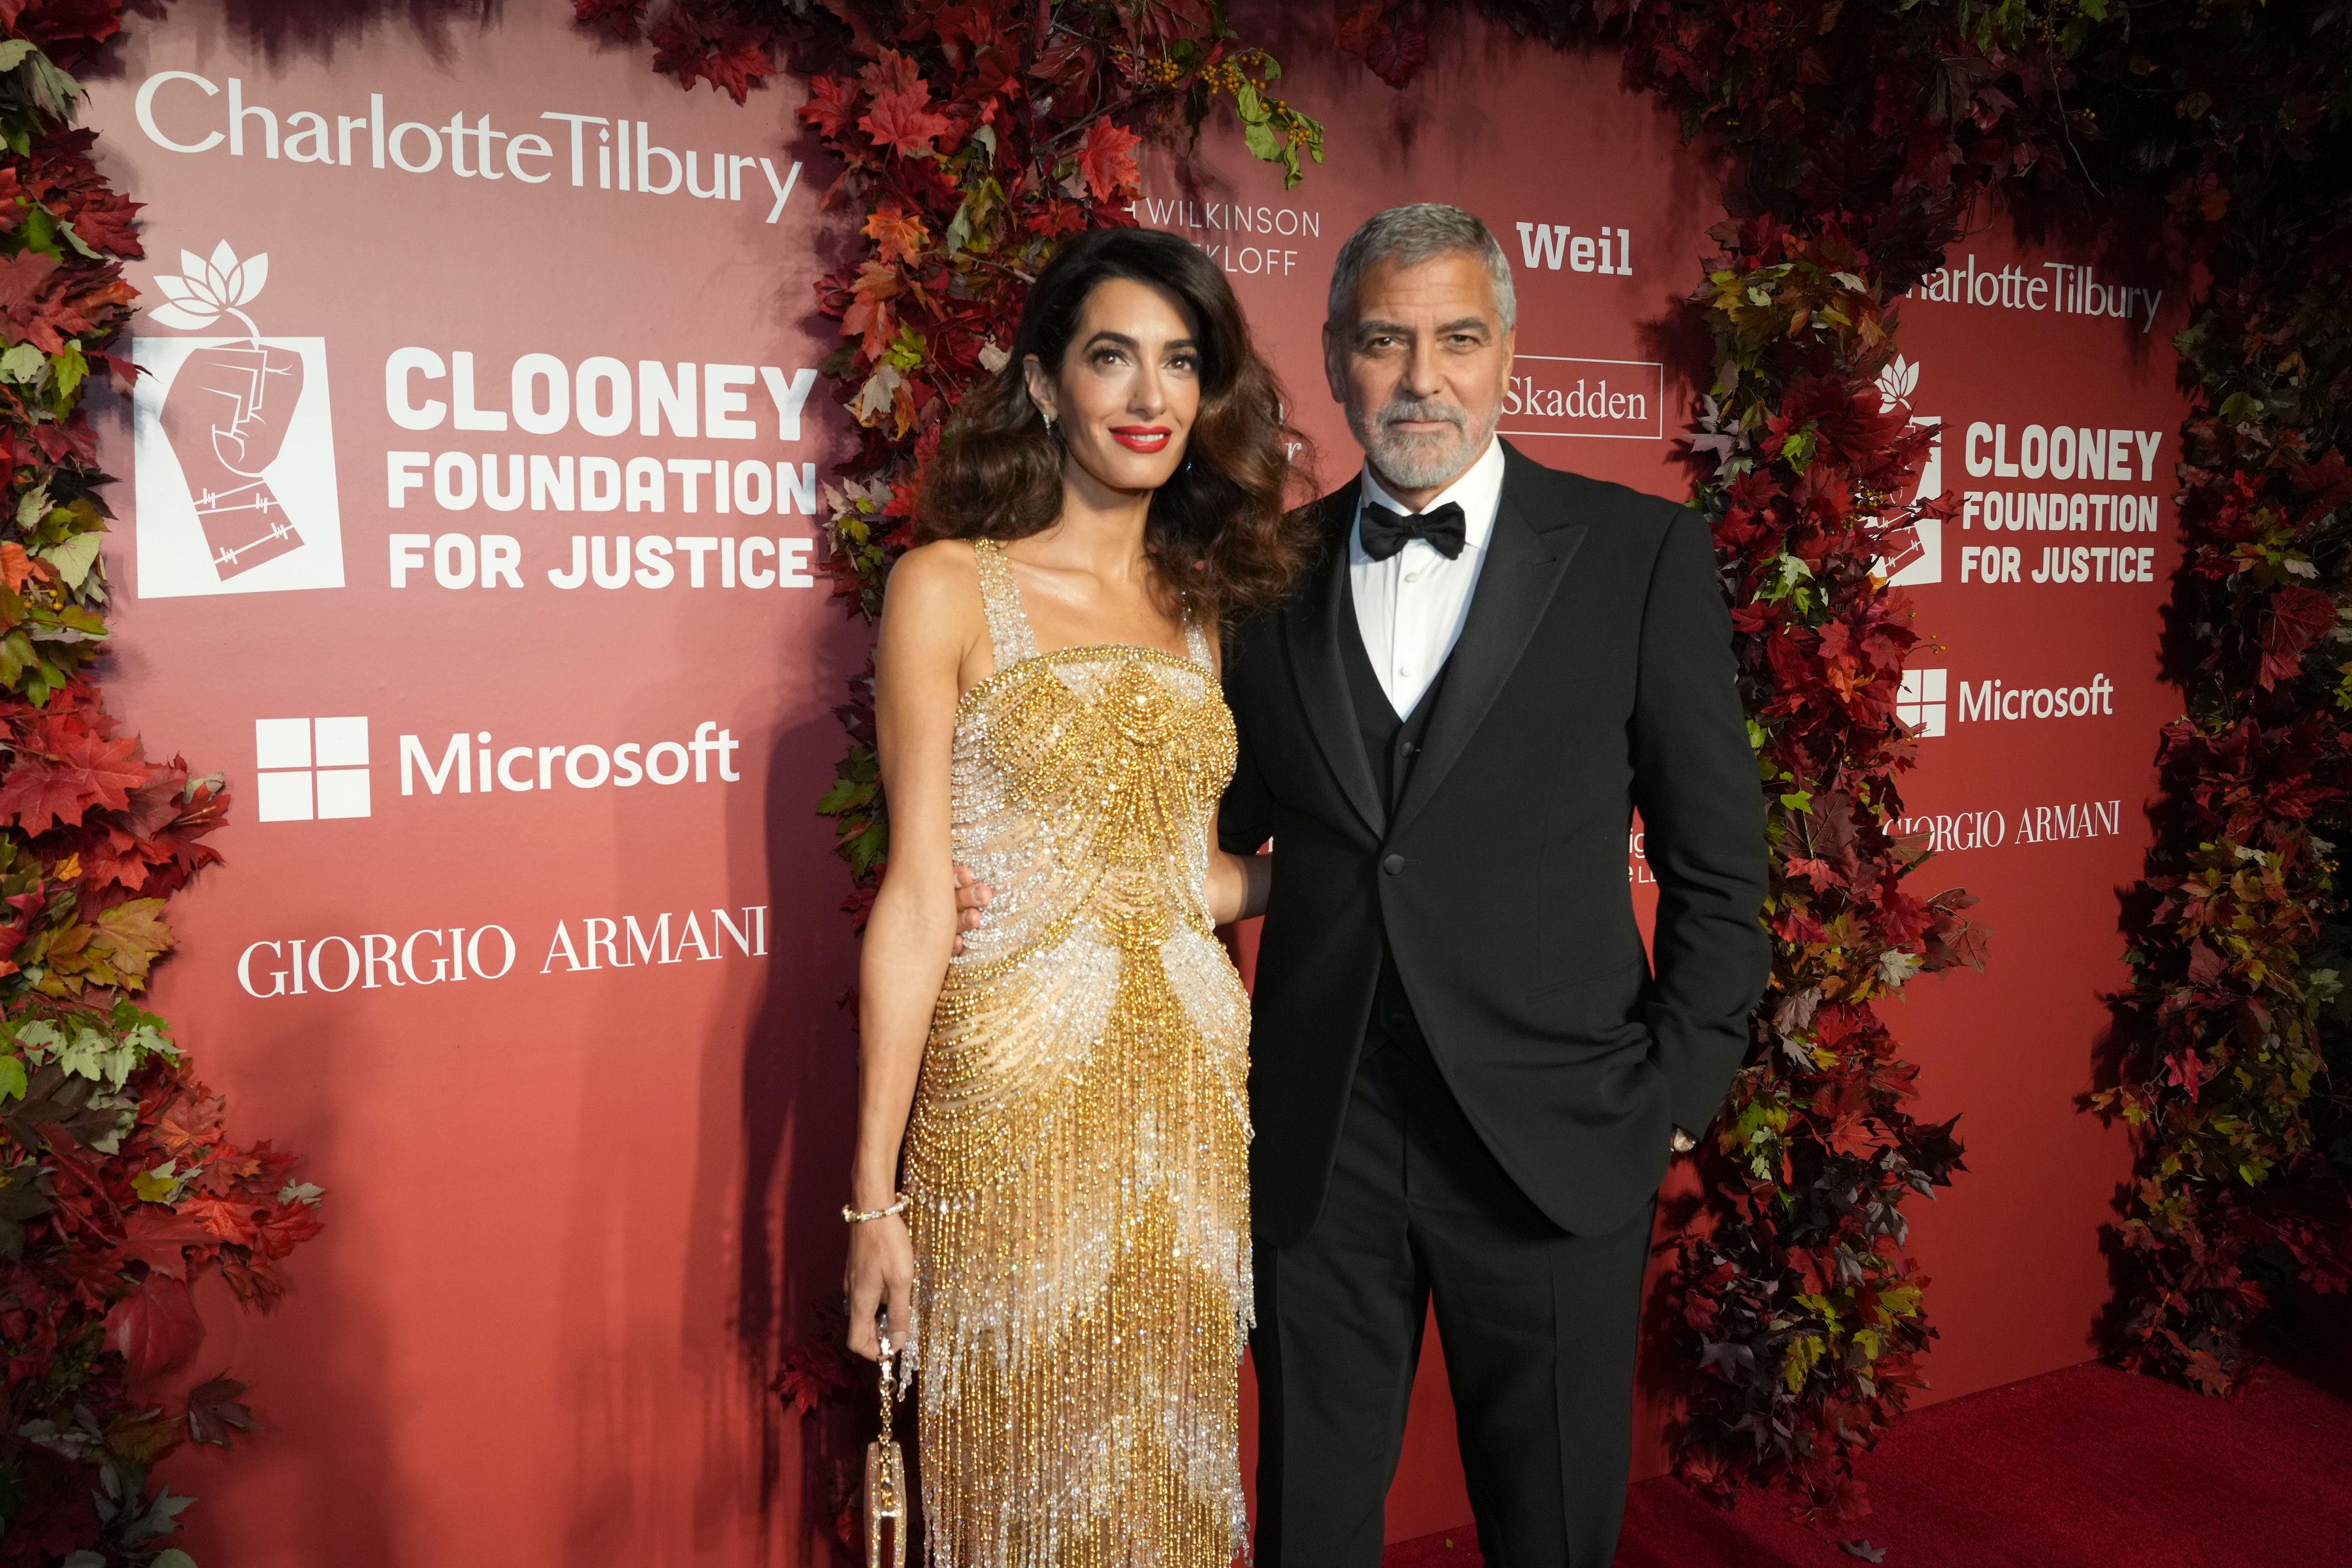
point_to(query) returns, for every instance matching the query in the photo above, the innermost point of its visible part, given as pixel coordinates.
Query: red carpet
(2089, 1468)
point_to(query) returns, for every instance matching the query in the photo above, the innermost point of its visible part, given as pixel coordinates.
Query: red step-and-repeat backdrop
(520, 661)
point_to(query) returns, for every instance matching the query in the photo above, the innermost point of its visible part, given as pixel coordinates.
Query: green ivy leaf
(75, 557)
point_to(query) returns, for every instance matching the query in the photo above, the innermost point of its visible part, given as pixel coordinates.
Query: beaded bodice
(1085, 780)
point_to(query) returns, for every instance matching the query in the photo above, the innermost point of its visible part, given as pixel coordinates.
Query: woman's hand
(880, 1278)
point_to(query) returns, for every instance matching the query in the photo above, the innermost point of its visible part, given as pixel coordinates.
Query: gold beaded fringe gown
(1078, 1158)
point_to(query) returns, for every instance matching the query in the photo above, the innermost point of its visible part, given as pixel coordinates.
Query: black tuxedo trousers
(1465, 1073)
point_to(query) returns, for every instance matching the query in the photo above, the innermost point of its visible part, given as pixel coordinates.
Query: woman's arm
(929, 621)
(1238, 884)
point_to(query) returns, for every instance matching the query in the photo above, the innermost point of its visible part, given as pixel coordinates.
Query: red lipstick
(1141, 437)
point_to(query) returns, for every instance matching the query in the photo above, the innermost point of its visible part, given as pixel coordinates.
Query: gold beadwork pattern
(1077, 1157)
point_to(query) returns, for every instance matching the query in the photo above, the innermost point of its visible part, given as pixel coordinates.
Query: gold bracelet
(859, 1216)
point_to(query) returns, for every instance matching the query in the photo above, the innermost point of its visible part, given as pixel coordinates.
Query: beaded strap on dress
(1009, 634)
(1196, 640)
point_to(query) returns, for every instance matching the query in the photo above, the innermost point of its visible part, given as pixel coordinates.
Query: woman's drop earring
(1049, 421)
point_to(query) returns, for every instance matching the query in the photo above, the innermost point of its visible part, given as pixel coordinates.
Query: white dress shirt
(1410, 608)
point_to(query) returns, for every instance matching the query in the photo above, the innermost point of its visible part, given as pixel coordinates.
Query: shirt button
(1393, 864)
(1412, 576)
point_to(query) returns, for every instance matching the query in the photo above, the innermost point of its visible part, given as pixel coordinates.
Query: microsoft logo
(310, 768)
(1919, 701)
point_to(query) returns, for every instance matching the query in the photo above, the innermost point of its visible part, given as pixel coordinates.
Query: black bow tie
(1384, 532)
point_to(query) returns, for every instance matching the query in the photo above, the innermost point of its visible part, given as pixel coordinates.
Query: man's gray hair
(1409, 235)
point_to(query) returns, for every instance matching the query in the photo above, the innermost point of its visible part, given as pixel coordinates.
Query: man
(1466, 1077)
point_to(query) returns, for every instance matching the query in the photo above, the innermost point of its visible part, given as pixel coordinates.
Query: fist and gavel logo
(227, 411)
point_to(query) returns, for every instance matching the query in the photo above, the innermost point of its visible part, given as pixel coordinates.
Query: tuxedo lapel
(1528, 556)
(1312, 627)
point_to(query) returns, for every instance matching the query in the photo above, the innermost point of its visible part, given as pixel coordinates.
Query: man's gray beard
(1422, 462)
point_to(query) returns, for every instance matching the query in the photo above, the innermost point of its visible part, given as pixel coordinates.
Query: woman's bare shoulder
(936, 584)
(938, 568)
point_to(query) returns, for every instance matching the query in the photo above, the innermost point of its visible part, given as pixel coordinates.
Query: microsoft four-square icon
(310, 768)
(1919, 701)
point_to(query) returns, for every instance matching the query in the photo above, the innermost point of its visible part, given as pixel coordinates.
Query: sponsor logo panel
(2066, 456)
(1610, 399)
(2057, 288)
(181, 111)
(233, 443)
(319, 769)
(1929, 700)
(1552, 247)
(331, 962)
(1245, 239)
(2024, 826)
(1922, 560)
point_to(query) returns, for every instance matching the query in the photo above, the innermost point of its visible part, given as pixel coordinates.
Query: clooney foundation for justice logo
(1923, 561)
(235, 446)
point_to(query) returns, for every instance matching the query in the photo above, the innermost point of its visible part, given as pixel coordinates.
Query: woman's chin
(1133, 473)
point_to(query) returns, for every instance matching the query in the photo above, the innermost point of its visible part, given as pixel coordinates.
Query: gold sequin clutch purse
(886, 1480)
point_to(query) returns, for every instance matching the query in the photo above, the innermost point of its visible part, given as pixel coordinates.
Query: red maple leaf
(155, 1328)
(1107, 161)
(832, 101)
(868, 314)
(899, 234)
(33, 307)
(285, 1225)
(730, 56)
(79, 770)
(69, 31)
(228, 1219)
(898, 121)
(159, 1239)
(620, 18)
(1058, 217)
(2299, 617)
(193, 1122)
(62, 178)
(891, 71)
(1393, 46)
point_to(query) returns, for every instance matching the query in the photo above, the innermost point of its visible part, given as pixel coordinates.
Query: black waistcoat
(1392, 745)
(1390, 742)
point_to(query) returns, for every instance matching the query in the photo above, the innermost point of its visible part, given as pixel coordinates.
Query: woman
(1070, 1256)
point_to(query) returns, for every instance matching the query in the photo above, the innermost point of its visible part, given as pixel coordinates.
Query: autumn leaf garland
(119, 1185)
(2231, 1072)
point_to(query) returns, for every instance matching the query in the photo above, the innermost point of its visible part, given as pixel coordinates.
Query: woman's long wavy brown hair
(1221, 531)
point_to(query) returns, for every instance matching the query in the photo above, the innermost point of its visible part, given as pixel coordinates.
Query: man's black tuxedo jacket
(1594, 676)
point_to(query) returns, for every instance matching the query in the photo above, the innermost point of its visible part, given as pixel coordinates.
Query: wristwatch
(1682, 1141)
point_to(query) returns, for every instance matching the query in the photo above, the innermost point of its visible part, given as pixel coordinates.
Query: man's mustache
(1397, 412)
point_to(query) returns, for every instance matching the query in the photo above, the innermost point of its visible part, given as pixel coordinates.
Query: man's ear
(1510, 351)
(1335, 362)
